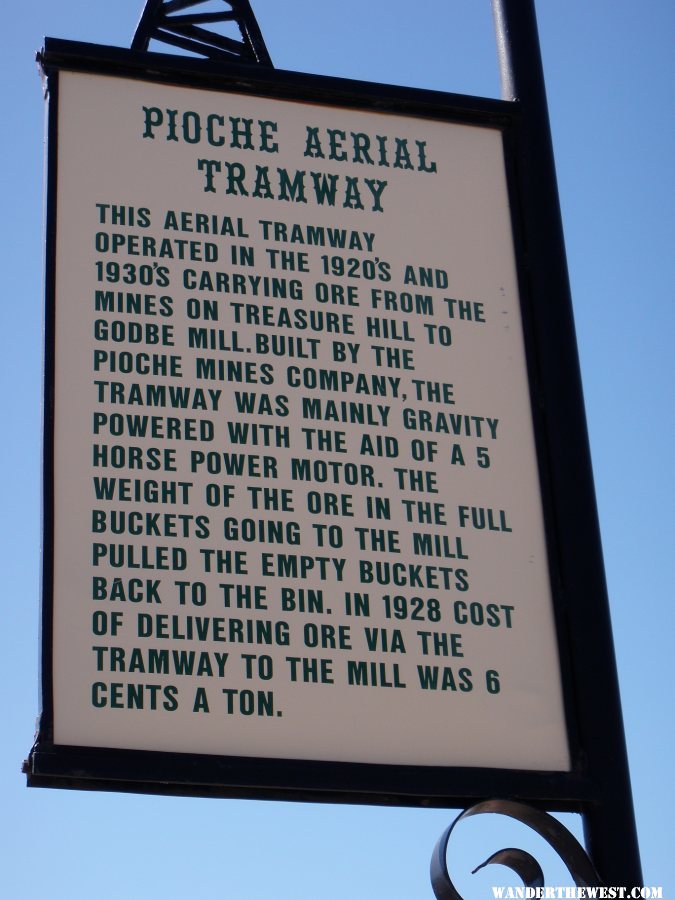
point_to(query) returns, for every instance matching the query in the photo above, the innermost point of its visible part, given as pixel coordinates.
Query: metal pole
(609, 823)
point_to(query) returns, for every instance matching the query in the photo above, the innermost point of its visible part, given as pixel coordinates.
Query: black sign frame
(598, 783)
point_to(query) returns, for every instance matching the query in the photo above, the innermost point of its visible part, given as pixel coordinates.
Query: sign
(297, 502)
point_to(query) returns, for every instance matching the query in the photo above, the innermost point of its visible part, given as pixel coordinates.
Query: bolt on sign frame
(562, 744)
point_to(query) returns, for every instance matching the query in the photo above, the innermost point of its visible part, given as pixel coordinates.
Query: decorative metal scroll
(186, 24)
(522, 863)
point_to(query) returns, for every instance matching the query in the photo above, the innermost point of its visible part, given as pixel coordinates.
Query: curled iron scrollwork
(522, 863)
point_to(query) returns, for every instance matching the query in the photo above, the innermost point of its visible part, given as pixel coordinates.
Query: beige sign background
(297, 508)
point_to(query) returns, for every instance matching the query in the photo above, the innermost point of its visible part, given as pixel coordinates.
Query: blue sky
(609, 76)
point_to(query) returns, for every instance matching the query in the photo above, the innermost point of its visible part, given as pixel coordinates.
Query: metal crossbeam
(167, 21)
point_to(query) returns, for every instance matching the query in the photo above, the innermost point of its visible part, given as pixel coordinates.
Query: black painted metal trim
(242, 78)
(201, 775)
(535, 357)
(46, 719)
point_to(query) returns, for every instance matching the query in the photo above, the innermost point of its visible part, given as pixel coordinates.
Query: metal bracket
(165, 21)
(522, 863)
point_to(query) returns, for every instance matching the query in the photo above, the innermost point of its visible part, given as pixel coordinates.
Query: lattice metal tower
(215, 29)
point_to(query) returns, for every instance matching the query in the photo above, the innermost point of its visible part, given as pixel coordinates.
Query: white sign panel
(297, 508)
